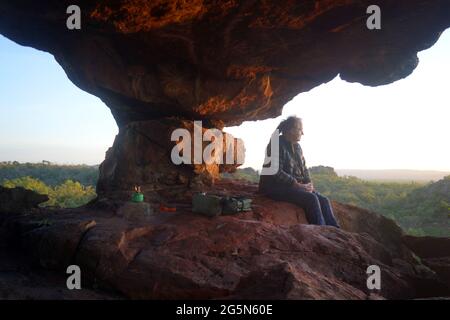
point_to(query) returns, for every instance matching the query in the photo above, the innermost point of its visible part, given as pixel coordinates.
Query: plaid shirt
(292, 167)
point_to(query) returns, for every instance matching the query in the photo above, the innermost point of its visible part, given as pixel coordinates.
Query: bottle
(137, 195)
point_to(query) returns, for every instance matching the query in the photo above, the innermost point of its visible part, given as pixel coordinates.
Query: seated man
(292, 182)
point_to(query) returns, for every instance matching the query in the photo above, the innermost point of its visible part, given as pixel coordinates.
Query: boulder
(19, 199)
(135, 210)
(434, 253)
(142, 155)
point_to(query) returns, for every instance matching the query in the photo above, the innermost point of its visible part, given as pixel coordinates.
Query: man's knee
(319, 195)
(311, 199)
(322, 198)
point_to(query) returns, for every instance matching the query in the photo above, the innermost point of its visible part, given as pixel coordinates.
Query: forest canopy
(419, 208)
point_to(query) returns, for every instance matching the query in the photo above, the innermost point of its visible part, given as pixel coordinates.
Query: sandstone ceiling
(223, 61)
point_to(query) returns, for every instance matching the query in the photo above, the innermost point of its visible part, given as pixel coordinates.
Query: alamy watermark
(74, 280)
(373, 22)
(374, 278)
(73, 22)
(213, 153)
(222, 148)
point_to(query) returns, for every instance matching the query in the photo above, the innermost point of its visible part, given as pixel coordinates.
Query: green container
(206, 204)
(137, 197)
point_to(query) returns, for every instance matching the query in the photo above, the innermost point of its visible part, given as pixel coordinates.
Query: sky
(44, 116)
(403, 125)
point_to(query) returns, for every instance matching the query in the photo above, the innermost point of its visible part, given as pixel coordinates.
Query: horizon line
(241, 167)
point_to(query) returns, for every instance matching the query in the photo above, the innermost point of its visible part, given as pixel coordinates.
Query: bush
(70, 194)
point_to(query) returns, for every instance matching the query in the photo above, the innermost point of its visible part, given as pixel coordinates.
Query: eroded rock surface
(434, 252)
(225, 61)
(21, 281)
(19, 199)
(142, 155)
(263, 254)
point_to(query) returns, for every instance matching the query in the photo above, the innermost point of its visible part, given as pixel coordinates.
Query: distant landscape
(419, 204)
(67, 186)
(394, 175)
(419, 207)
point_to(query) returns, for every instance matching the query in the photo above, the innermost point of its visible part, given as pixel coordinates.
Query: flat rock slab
(253, 255)
(135, 211)
(19, 280)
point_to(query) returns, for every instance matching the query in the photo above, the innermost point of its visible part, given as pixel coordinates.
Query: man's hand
(308, 187)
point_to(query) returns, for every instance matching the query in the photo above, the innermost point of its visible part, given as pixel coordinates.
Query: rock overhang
(160, 64)
(223, 62)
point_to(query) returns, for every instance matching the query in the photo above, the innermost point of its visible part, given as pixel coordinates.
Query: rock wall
(19, 199)
(142, 155)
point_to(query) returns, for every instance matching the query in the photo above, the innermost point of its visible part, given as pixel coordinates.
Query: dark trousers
(317, 207)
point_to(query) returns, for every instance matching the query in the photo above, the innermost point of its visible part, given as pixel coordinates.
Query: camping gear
(233, 205)
(164, 208)
(137, 195)
(214, 205)
(209, 205)
(135, 211)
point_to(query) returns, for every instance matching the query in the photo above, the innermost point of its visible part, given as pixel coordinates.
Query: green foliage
(248, 174)
(419, 208)
(30, 184)
(73, 194)
(69, 194)
(67, 186)
(322, 170)
(48, 173)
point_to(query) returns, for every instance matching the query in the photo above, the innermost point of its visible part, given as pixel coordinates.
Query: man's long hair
(287, 123)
